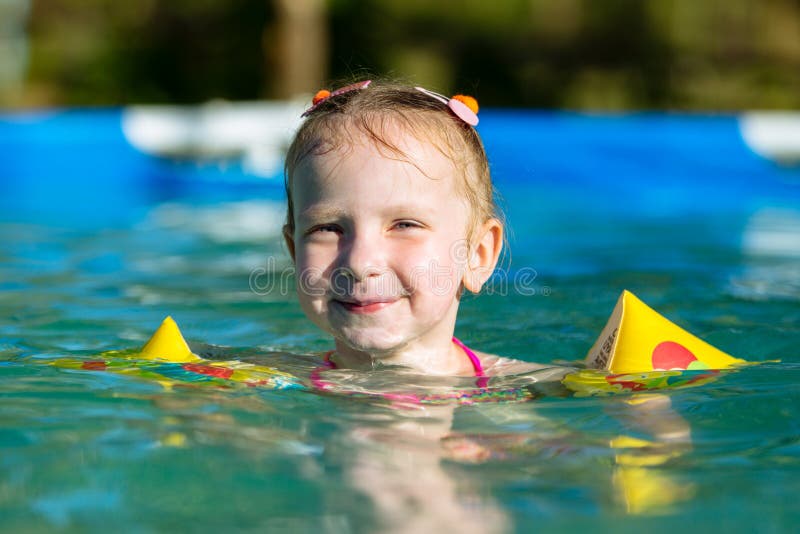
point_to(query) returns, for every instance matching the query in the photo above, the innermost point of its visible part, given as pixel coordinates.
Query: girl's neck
(445, 358)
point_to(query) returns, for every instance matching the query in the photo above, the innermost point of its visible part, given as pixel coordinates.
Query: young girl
(391, 217)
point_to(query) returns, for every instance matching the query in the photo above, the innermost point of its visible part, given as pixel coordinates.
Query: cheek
(312, 267)
(432, 271)
(314, 258)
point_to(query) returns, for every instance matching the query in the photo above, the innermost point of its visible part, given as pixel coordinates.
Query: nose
(362, 257)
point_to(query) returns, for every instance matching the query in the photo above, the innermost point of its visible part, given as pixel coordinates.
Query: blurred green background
(572, 54)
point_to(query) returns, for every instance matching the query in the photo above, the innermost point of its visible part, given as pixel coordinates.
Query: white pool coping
(258, 133)
(772, 134)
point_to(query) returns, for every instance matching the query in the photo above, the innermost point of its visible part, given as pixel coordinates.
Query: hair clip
(323, 94)
(465, 107)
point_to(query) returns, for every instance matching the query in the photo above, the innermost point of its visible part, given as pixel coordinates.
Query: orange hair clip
(323, 94)
(468, 101)
(464, 107)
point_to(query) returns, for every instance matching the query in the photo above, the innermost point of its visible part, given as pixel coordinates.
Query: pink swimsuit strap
(319, 383)
(476, 362)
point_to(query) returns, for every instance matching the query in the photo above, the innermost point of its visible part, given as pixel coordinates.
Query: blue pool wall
(77, 168)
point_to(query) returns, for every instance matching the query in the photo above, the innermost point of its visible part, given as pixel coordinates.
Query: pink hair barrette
(323, 94)
(465, 107)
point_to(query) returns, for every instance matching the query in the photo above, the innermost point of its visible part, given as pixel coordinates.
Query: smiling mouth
(363, 307)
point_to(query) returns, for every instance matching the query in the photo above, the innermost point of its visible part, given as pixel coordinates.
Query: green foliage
(578, 54)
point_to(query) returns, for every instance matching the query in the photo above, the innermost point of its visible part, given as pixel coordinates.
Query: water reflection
(400, 468)
(771, 248)
(640, 482)
(422, 473)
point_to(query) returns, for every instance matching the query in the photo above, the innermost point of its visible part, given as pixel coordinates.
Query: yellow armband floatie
(639, 349)
(168, 359)
(637, 339)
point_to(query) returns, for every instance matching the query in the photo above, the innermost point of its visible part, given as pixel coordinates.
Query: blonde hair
(376, 111)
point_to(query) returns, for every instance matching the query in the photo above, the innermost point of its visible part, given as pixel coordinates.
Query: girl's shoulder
(494, 365)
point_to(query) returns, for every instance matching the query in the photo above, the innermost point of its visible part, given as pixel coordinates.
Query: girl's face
(380, 246)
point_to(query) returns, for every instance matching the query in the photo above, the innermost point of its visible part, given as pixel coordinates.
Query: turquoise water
(708, 237)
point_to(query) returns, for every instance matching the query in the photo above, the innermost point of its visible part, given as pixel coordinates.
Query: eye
(324, 229)
(406, 225)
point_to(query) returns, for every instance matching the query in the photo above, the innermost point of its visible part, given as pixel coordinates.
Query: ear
(288, 237)
(484, 253)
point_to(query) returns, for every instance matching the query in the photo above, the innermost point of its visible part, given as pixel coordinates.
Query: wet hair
(376, 113)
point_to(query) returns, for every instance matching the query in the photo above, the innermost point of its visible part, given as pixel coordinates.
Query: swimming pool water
(99, 243)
